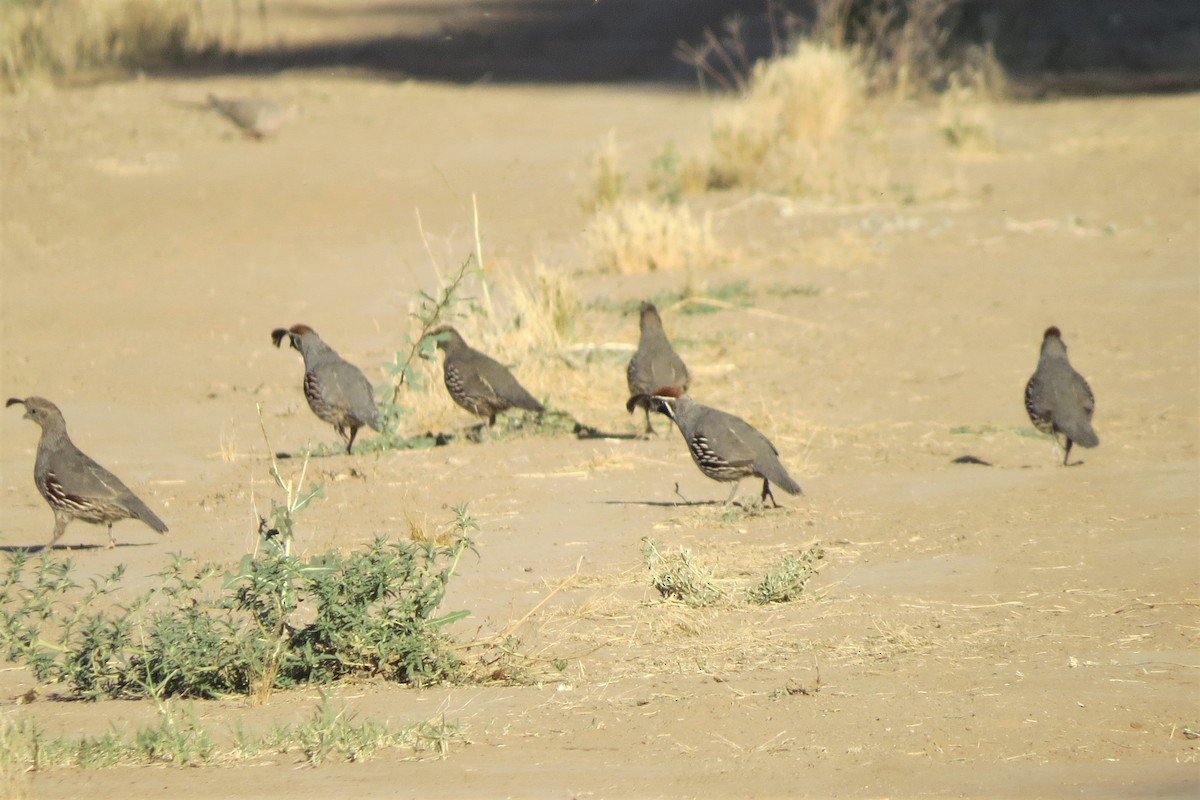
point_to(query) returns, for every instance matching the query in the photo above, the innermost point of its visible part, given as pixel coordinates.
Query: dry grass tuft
(546, 306)
(906, 49)
(608, 179)
(790, 130)
(966, 115)
(639, 236)
(64, 40)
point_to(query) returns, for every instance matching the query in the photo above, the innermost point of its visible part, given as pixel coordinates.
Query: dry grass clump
(523, 320)
(546, 306)
(61, 40)
(639, 236)
(608, 178)
(789, 131)
(907, 48)
(966, 114)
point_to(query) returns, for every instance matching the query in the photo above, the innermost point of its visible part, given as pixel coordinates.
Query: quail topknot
(477, 382)
(724, 447)
(1057, 397)
(336, 390)
(74, 485)
(654, 365)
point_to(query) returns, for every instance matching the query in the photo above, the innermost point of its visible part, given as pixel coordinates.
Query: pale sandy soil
(1022, 630)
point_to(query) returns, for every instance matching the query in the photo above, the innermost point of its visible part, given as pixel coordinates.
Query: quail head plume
(336, 390)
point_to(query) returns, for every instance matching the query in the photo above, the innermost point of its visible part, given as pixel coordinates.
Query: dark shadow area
(970, 459)
(73, 548)
(525, 41)
(664, 503)
(1091, 46)
(1045, 46)
(588, 432)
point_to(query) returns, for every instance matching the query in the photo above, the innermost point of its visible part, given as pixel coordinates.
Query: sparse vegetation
(788, 131)
(180, 739)
(206, 632)
(787, 582)
(62, 40)
(907, 48)
(676, 576)
(608, 178)
(674, 174)
(640, 236)
(965, 117)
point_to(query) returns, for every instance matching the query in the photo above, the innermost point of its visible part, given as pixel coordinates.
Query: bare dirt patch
(1019, 629)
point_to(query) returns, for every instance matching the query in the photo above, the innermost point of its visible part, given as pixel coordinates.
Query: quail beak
(662, 405)
(432, 342)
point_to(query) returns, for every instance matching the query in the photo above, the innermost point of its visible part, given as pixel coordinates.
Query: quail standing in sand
(1057, 397)
(74, 485)
(336, 390)
(654, 365)
(256, 118)
(477, 382)
(724, 447)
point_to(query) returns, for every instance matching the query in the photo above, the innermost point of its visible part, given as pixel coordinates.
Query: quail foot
(336, 390)
(724, 447)
(655, 364)
(477, 382)
(1057, 397)
(74, 485)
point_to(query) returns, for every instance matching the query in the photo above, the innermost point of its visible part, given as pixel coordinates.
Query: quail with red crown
(654, 364)
(1057, 397)
(336, 390)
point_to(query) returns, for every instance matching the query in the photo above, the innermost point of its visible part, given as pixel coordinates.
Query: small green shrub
(787, 582)
(204, 632)
(179, 739)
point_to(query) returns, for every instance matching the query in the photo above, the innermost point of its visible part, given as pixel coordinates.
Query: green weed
(787, 582)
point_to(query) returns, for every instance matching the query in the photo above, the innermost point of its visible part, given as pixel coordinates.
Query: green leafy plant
(179, 739)
(787, 582)
(207, 632)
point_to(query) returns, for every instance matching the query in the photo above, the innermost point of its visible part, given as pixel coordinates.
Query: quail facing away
(724, 447)
(336, 390)
(256, 118)
(1057, 397)
(74, 485)
(477, 382)
(655, 364)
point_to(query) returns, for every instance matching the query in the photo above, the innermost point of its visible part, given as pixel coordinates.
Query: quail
(477, 382)
(336, 390)
(256, 118)
(74, 485)
(1057, 397)
(724, 447)
(655, 364)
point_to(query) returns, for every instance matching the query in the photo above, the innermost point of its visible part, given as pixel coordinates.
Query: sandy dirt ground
(1020, 629)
